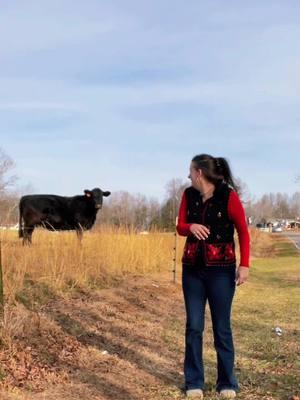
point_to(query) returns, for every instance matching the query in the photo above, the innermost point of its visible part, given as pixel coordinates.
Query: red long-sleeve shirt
(236, 213)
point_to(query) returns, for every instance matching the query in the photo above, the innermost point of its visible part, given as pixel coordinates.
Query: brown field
(103, 319)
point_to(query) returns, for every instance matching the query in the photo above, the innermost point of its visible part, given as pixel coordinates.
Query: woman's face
(194, 176)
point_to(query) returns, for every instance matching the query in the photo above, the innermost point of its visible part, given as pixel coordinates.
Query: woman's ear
(88, 193)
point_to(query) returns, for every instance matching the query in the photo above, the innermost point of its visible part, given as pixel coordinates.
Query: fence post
(1, 287)
(175, 252)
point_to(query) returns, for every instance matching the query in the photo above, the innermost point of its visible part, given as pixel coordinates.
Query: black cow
(58, 213)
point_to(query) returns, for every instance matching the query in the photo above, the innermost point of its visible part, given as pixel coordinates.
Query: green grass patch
(283, 247)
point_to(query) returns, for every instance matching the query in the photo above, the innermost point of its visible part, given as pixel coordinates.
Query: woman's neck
(207, 191)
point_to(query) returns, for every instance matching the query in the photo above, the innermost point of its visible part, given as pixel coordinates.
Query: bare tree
(154, 213)
(8, 200)
(174, 189)
(6, 179)
(295, 205)
(244, 191)
(125, 209)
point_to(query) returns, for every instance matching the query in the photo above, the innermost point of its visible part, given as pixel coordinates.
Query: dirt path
(110, 344)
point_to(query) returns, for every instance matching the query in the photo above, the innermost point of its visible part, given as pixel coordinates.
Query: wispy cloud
(40, 106)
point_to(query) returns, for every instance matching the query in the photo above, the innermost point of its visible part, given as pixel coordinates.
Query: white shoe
(228, 394)
(194, 393)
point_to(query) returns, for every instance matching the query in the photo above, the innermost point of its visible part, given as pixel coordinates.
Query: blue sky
(122, 94)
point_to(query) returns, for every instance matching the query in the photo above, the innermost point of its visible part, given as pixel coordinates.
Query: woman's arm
(183, 228)
(236, 213)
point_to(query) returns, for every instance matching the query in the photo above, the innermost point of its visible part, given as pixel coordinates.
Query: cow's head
(96, 195)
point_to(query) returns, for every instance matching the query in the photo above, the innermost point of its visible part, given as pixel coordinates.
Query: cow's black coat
(59, 213)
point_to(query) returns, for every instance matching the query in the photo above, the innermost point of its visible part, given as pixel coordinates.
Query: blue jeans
(217, 285)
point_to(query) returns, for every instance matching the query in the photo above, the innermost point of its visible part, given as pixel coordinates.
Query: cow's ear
(88, 193)
(105, 194)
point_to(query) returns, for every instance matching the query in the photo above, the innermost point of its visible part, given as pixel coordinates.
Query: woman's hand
(200, 231)
(242, 274)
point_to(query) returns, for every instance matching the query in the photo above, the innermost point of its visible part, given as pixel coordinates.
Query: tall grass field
(57, 266)
(58, 261)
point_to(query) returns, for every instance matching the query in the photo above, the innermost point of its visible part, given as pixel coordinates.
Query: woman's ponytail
(223, 168)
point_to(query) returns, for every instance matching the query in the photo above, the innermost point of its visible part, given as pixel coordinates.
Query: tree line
(142, 213)
(275, 206)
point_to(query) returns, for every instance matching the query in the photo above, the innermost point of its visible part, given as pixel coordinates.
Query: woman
(210, 210)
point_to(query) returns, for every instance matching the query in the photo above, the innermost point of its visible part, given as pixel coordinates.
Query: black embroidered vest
(218, 249)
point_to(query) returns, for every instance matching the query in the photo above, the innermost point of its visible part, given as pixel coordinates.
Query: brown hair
(215, 169)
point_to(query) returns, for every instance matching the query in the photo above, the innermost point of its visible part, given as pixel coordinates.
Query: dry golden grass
(262, 244)
(58, 262)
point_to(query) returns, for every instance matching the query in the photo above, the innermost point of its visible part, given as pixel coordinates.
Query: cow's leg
(79, 233)
(27, 235)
